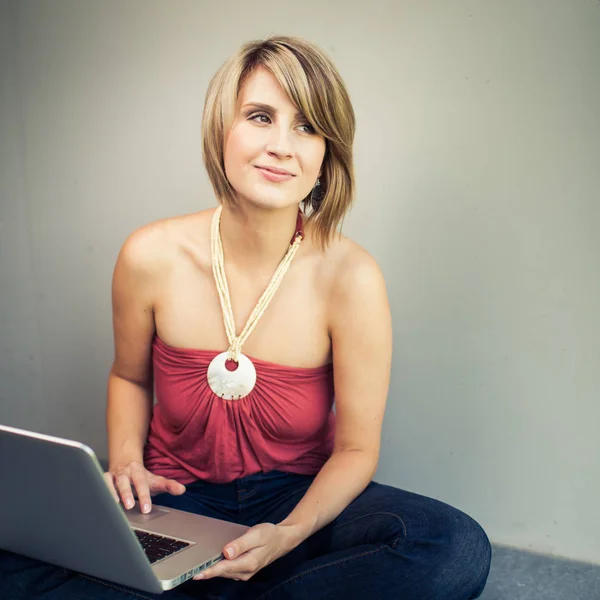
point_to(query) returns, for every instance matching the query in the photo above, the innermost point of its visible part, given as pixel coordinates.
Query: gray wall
(478, 175)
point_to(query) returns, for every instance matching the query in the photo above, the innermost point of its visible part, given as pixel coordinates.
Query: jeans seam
(115, 587)
(252, 492)
(387, 514)
(311, 570)
(242, 497)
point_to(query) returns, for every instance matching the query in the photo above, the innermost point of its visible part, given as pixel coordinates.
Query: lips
(275, 175)
(276, 170)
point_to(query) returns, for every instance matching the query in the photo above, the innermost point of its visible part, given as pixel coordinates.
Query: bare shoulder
(151, 249)
(353, 274)
(146, 259)
(359, 318)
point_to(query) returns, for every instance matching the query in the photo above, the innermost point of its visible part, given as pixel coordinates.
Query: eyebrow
(268, 108)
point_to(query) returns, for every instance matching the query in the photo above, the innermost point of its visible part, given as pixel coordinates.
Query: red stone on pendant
(231, 365)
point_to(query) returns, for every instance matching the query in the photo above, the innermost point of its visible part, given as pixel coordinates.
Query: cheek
(317, 154)
(234, 150)
(240, 148)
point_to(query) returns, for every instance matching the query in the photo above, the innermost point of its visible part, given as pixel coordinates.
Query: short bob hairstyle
(315, 87)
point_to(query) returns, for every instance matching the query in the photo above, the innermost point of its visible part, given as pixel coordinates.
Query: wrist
(122, 461)
(292, 534)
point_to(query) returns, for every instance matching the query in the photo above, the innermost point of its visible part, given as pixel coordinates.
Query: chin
(269, 199)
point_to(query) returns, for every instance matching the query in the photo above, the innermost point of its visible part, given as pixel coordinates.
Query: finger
(108, 478)
(140, 481)
(159, 484)
(175, 488)
(242, 568)
(250, 539)
(124, 487)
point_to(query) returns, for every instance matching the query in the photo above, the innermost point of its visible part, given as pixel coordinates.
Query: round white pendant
(231, 385)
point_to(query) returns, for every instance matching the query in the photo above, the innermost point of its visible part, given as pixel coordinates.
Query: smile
(275, 175)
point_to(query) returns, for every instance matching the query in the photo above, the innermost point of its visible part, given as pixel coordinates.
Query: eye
(260, 118)
(307, 128)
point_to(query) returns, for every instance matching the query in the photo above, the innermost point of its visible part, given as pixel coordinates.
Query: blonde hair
(315, 87)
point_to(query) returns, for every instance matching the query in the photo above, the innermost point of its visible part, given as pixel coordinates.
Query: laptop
(57, 508)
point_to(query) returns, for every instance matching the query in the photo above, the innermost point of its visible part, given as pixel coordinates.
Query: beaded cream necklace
(236, 384)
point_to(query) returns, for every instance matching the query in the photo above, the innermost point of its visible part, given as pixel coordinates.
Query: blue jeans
(388, 543)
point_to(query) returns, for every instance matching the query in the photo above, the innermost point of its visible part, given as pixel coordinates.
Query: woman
(246, 319)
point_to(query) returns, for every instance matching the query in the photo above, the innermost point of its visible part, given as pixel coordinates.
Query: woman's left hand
(248, 554)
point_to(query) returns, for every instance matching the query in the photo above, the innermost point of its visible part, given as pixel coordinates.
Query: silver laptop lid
(56, 507)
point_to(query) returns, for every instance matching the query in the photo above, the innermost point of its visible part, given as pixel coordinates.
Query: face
(272, 155)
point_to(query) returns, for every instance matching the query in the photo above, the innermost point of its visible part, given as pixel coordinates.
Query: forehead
(261, 86)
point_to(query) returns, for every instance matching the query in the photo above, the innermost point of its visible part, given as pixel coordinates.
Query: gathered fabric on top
(285, 423)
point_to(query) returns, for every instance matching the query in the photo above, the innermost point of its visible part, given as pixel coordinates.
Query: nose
(280, 143)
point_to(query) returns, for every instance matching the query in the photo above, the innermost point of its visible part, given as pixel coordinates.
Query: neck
(257, 238)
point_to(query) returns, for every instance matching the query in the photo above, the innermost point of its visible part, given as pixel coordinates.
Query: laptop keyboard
(158, 547)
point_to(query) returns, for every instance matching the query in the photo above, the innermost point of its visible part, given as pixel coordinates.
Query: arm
(130, 385)
(361, 334)
(129, 400)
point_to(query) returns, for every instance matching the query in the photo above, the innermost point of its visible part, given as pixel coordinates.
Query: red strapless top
(286, 423)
